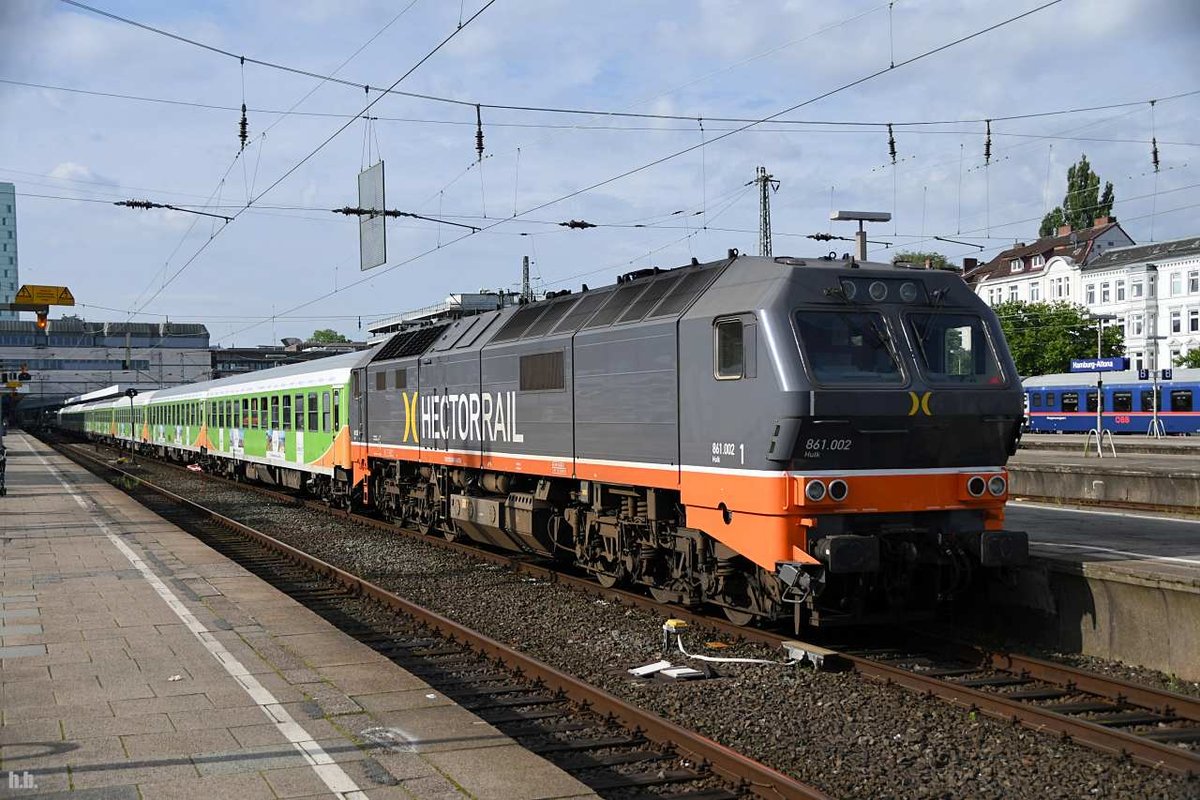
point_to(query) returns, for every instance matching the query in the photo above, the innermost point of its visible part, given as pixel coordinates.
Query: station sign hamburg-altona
(1113, 364)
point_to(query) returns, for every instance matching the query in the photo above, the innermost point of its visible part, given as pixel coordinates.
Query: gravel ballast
(845, 734)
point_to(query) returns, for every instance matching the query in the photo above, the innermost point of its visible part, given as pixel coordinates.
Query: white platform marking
(1129, 553)
(1016, 503)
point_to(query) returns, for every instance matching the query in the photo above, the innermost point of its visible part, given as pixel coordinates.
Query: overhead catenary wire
(318, 148)
(835, 124)
(683, 117)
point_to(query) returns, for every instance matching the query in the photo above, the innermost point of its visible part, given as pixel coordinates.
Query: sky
(662, 191)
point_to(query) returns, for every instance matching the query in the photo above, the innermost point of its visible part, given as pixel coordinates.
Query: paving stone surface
(107, 692)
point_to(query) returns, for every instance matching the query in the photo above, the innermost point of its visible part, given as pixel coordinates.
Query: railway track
(615, 748)
(1154, 727)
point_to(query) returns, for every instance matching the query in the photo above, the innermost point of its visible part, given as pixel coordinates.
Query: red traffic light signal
(42, 322)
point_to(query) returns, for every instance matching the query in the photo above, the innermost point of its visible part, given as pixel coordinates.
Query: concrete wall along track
(1118, 585)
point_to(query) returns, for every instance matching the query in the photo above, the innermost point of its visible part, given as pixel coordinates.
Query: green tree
(919, 257)
(327, 336)
(1082, 203)
(1044, 337)
(1189, 359)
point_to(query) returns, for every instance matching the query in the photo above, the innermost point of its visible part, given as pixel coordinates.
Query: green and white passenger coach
(286, 425)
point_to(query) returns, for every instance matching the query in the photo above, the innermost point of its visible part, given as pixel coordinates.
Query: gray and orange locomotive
(817, 439)
(774, 436)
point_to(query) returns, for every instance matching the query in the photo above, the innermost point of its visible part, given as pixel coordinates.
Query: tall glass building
(9, 281)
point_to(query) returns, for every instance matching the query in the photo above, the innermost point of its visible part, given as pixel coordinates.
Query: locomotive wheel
(664, 595)
(606, 580)
(452, 533)
(737, 616)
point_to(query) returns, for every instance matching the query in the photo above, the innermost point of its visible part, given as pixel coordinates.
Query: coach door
(358, 405)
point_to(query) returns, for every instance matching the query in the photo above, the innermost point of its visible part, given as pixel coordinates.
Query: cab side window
(734, 355)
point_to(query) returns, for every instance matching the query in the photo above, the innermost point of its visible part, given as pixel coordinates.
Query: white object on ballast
(649, 669)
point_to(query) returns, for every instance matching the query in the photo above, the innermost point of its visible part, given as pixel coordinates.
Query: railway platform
(1110, 583)
(136, 662)
(1168, 479)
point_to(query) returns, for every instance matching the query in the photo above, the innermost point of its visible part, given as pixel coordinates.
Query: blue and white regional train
(1066, 403)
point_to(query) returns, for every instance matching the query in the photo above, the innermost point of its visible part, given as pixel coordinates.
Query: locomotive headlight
(908, 291)
(815, 491)
(976, 486)
(997, 485)
(838, 490)
(849, 289)
(878, 291)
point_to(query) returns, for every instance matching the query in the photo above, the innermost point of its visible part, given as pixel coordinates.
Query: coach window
(381, 380)
(299, 412)
(275, 413)
(314, 414)
(253, 413)
(287, 412)
(1181, 400)
(263, 418)
(1148, 399)
(1122, 401)
(1091, 401)
(1070, 401)
(1049, 399)
(1035, 399)
(355, 391)
(324, 412)
(400, 378)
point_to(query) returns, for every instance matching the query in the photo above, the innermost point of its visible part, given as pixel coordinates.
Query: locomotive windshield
(954, 348)
(848, 347)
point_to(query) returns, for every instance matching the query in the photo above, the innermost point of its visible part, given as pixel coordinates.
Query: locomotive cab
(854, 431)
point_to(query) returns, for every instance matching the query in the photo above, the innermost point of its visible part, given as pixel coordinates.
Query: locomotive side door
(359, 432)
(433, 386)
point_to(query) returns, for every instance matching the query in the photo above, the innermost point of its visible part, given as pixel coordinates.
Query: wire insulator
(243, 128)
(1153, 138)
(478, 134)
(891, 143)
(987, 145)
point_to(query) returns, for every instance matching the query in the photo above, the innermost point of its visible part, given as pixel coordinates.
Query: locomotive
(822, 439)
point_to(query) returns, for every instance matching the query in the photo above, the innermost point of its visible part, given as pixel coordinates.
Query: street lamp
(1156, 431)
(860, 237)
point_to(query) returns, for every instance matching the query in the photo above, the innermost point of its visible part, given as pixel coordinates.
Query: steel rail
(1109, 740)
(759, 779)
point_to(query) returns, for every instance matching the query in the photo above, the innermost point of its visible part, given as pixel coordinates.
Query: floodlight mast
(860, 237)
